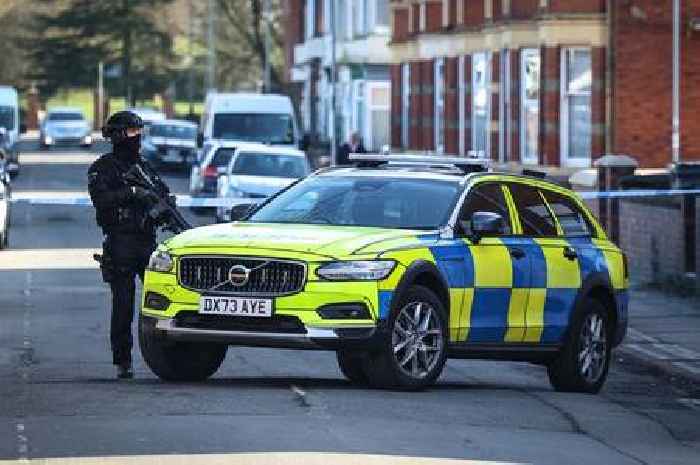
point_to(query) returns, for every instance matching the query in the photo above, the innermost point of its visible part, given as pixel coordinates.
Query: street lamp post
(211, 43)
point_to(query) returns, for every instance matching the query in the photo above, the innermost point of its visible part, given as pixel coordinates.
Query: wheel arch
(598, 287)
(427, 274)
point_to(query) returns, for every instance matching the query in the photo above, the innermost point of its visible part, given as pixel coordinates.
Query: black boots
(125, 371)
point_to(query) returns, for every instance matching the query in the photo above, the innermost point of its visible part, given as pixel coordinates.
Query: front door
(499, 274)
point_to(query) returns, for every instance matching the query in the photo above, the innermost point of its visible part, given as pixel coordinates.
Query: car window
(359, 201)
(572, 220)
(486, 197)
(272, 128)
(173, 131)
(222, 157)
(264, 164)
(65, 116)
(7, 117)
(534, 215)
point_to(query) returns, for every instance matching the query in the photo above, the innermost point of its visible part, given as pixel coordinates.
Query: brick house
(363, 92)
(546, 82)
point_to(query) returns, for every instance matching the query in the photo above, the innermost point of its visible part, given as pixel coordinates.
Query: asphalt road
(58, 398)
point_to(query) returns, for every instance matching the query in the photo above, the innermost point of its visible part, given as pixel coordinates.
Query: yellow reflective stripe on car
(561, 272)
(517, 311)
(492, 263)
(534, 315)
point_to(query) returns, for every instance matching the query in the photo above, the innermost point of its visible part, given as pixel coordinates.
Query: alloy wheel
(417, 339)
(592, 355)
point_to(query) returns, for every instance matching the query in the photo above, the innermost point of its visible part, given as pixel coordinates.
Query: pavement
(60, 403)
(665, 331)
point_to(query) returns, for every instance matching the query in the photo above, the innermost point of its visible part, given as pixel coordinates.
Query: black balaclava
(128, 149)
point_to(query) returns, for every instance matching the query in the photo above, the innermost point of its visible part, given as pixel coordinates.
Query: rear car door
(556, 277)
(496, 269)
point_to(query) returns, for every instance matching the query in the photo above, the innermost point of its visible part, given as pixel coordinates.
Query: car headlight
(357, 270)
(161, 261)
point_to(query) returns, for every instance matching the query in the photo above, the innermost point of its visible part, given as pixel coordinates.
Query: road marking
(25, 367)
(273, 458)
(48, 259)
(297, 390)
(57, 158)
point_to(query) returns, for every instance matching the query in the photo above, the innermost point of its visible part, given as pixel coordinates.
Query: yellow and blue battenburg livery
(397, 264)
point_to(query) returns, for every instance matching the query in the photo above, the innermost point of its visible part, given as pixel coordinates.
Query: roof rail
(373, 160)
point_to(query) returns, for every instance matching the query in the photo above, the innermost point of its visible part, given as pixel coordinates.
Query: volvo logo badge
(238, 275)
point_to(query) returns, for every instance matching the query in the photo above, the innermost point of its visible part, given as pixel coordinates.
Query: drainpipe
(676, 122)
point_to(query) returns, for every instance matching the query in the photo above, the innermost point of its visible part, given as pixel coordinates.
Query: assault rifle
(163, 211)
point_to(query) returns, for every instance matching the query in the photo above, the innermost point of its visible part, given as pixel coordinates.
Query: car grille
(276, 324)
(267, 277)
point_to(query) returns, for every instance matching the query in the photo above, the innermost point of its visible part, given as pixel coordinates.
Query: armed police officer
(123, 211)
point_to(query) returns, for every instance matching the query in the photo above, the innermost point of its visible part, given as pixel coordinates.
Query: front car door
(497, 275)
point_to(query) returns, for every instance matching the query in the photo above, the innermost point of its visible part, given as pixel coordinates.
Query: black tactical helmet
(118, 123)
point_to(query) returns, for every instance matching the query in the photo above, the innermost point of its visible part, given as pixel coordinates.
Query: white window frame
(487, 143)
(524, 156)
(564, 158)
(405, 105)
(439, 104)
(371, 107)
(504, 110)
(310, 26)
(462, 95)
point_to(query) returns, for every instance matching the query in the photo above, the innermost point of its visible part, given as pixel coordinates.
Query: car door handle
(517, 254)
(570, 253)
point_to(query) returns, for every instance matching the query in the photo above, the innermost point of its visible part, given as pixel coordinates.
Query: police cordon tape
(191, 201)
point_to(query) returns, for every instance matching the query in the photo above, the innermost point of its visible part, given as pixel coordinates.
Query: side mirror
(483, 224)
(242, 211)
(200, 140)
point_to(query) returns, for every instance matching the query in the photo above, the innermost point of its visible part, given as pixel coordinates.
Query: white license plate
(235, 306)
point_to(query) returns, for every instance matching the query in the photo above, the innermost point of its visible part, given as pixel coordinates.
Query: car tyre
(351, 365)
(413, 353)
(178, 361)
(583, 363)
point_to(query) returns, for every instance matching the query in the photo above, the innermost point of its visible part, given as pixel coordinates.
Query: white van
(241, 117)
(9, 119)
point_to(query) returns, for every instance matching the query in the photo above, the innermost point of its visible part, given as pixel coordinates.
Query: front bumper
(315, 338)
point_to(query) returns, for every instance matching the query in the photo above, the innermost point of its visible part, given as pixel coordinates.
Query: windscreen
(65, 116)
(274, 165)
(271, 128)
(364, 201)
(7, 117)
(173, 131)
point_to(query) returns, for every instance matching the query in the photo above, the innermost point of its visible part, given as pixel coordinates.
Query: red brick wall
(690, 86)
(427, 104)
(523, 9)
(497, 10)
(598, 102)
(400, 32)
(451, 106)
(643, 82)
(415, 133)
(433, 16)
(395, 72)
(577, 6)
(319, 17)
(293, 30)
(452, 12)
(549, 106)
(473, 12)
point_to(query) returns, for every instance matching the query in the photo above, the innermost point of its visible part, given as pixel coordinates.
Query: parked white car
(170, 142)
(10, 126)
(255, 172)
(65, 126)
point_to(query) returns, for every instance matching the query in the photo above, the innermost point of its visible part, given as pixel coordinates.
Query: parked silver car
(170, 142)
(256, 172)
(65, 126)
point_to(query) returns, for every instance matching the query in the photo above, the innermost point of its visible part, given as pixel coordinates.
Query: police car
(396, 264)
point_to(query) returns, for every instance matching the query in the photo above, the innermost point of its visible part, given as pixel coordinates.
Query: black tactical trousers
(129, 255)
